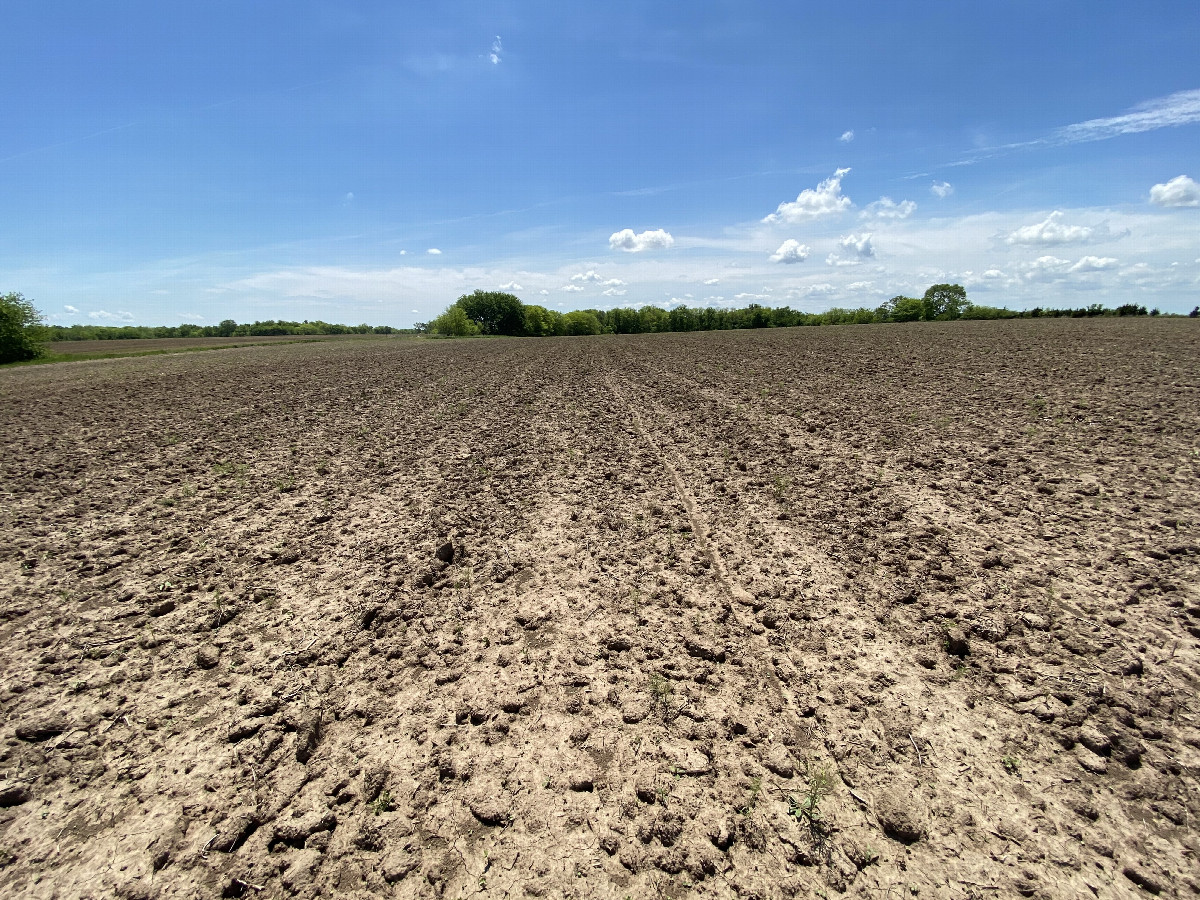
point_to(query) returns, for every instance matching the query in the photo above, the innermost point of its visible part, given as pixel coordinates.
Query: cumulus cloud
(1052, 230)
(70, 309)
(614, 292)
(826, 199)
(592, 277)
(494, 56)
(434, 251)
(887, 208)
(1180, 191)
(572, 288)
(104, 315)
(1093, 264)
(631, 243)
(713, 281)
(745, 298)
(859, 245)
(847, 137)
(791, 251)
(1046, 268)
(511, 286)
(941, 189)
(852, 250)
(635, 243)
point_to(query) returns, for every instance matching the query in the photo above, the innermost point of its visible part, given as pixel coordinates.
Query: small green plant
(808, 808)
(755, 790)
(286, 485)
(661, 690)
(383, 803)
(1012, 765)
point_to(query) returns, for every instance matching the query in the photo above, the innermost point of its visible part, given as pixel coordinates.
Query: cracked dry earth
(891, 611)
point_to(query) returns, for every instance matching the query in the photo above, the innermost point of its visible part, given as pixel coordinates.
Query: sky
(372, 161)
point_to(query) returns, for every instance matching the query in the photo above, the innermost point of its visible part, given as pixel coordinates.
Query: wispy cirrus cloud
(1173, 110)
(1180, 108)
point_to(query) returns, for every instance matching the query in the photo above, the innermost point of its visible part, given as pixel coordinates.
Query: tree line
(226, 328)
(498, 313)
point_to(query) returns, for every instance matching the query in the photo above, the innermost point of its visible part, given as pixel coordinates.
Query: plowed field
(889, 611)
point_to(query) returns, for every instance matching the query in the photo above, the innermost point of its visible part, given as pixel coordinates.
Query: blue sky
(371, 161)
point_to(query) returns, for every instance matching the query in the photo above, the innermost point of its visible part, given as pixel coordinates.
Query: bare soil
(886, 611)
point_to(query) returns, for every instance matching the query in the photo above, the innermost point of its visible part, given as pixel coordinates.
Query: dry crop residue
(887, 611)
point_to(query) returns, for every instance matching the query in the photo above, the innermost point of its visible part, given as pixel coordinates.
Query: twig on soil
(920, 758)
(861, 800)
(986, 887)
(304, 649)
(91, 645)
(247, 884)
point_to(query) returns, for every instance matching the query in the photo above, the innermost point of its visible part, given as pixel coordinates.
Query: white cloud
(543, 292)
(809, 290)
(635, 243)
(614, 292)
(859, 245)
(887, 208)
(511, 286)
(1179, 191)
(494, 56)
(1046, 268)
(70, 309)
(588, 276)
(941, 189)
(847, 137)
(572, 288)
(191, 317)
(1051, 231)
(404, 253)
(744, 298)
(791, 251)
(825, 200)
(434, 251)
(711, 281)
(105, 316)
(1181, 108)
(858, 285)
(1093, 264)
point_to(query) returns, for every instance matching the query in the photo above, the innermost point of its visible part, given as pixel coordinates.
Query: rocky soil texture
(889, 611)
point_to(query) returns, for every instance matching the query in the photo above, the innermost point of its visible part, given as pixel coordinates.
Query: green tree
(901, 309)
(581, 322)
(226, 328)
(624, 321)
(944, 301)
(542, 322)
(454, 322)
(494, 312)
(20, 329)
